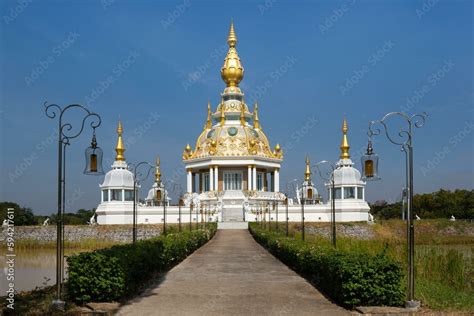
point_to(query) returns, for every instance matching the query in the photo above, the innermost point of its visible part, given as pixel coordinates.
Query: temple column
(249, 178)
(216, 178)
(276, 176)
(254, 178)
(189, 184)
(211, 178)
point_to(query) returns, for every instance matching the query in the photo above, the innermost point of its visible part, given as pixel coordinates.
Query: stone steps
(232, 225)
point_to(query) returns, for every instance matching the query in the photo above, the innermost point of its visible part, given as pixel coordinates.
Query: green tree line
(25, 216)
(439, 204)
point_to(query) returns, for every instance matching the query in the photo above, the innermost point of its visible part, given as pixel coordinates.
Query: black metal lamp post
(191, 216)
(93, 167)
(164, 209)
(302, 215)
(370, 172)
(180, 205)
(137, 178)
(330, 178)
(292, 182)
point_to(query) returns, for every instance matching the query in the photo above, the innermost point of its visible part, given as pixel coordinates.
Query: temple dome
(118, 177)
(346, 174)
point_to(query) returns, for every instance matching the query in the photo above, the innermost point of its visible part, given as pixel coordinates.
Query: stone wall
(120, 233)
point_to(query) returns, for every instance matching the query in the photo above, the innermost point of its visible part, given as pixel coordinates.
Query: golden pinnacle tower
(231, 129)
(120, 149)
(345, 144)
(157, 170)
(232, 71)
(307, 173)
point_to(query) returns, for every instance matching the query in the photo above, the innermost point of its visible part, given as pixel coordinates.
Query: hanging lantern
(94, 158)
(370, 164)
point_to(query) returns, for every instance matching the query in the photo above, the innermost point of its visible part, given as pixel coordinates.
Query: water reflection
(33, 268)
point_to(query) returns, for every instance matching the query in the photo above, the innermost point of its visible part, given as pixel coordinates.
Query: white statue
(5, 223)
(371, 218)
(46, 222)
(92, 220)
(417, 217)
(452, 219)
(298, 192)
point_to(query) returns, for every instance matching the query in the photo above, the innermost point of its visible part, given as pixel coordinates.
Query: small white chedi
(232, 173)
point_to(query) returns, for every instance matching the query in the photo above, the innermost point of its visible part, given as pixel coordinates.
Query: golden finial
(209, 120)
(307, 174)
(345, 144)
(256, 123)
(157, 171)
(222, 114)
(232, 71)
(242, 114)
(232, 38)
(120, 149)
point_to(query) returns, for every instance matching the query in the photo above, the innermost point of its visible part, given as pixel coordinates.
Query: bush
(349, 278)
(114, 273)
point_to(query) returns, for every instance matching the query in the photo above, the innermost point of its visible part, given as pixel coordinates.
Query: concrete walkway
(232, 275)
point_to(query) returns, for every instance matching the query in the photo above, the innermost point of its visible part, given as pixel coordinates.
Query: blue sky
(155, 64)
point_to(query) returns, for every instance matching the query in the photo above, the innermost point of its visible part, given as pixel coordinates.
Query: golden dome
(232, 71)
(233, 141)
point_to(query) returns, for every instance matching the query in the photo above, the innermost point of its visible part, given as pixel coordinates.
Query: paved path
(232, 275)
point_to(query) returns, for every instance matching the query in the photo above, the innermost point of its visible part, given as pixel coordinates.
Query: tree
(23, 216)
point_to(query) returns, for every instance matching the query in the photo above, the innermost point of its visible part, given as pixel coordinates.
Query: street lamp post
(164, 209)
(292, 182)
(370, 165)
(93, 167)
(302, 215)
(137, 177)
(190, 216)
(330, 178)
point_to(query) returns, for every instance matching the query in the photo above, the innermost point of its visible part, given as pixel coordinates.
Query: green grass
(444, 257)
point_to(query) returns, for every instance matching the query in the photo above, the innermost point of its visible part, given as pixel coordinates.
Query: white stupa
(117, 188)
(348, 186)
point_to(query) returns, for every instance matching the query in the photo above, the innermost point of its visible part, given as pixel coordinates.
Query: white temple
(233, 175)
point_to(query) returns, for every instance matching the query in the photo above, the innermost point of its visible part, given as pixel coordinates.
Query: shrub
(117, 272)
(349, 278)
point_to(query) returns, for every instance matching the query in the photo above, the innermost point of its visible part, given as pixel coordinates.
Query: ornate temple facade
(232, 172)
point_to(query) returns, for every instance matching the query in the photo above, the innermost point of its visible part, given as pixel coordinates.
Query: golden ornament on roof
(232, 71)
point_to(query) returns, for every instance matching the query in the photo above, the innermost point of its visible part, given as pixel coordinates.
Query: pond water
(32, 268)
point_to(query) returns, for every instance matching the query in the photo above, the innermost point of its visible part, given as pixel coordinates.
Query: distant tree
(439, 204)
(23, 216)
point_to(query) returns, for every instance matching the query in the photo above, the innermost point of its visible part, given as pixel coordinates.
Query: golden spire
(232, 38)
(345, 144)
(232, 71)
(222, 114)
(209, 120)
(256, 123)
(157, 171)
(242, 115)
(307, 174)
(120, 149)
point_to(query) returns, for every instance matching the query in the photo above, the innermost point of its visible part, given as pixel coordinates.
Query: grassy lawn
(444, 255)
